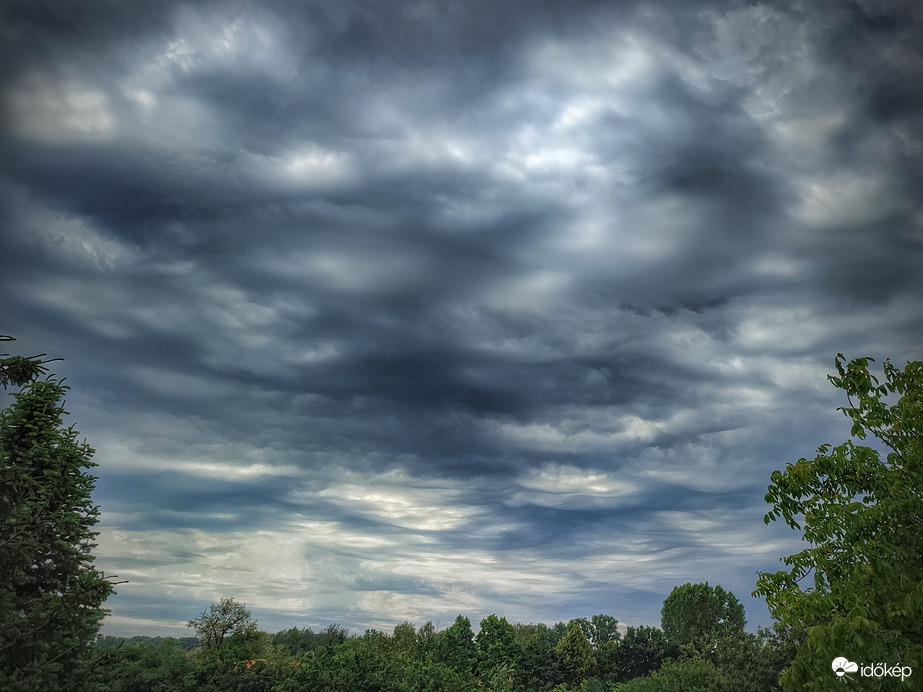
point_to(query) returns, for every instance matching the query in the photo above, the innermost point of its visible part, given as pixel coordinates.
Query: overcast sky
(386, 310)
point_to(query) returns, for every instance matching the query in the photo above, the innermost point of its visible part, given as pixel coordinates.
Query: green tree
(498, 652)
(425, 646)
(404, 636)
(576, 655)
(751, 662)
(295, 640)
(858, 586)
(20, 370)
(226, 625)
(538, 667)
(603, 629)
(640, 652)
(147, 666)
(51, 595)
(698, 611)
(333, 635)
(455, 646)
(686, 675)
(368, 663)
(584, 626)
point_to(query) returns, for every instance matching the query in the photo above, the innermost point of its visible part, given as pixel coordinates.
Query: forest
(856, 589)
(702, 646)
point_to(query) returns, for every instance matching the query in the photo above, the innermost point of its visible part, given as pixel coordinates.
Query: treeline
(702, 646)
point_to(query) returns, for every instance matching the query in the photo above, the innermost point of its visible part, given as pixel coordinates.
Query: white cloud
(315, 164)
(797, 328)
(76, 240)
(209, 41)
(531, 291)
(567, 487)
(400, 500)
(846, 199)
(581, 430)
(60, 110)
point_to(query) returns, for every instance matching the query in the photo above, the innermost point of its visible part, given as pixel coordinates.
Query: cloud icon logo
(841, 666)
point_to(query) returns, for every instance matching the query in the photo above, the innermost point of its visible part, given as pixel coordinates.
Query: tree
(425, 646)
(20, 370)
(455, 646)
(603, 629)
(576, 655)
(698, 611)
(221, 621)
(582, 623)
(539, 666)
(751, 662)
(50, 592)
(147, 666)
(498, 651)
(858, 586)
(404, 636)
(686, 675)
(641, 651)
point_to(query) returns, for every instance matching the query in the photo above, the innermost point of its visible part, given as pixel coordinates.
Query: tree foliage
(453, 660)
(698, 611)
(220, 622)
(456, 648)
(152, 665)
(498, 651)
(603, 629)
(858, 586)
(686, 675)
(51, 595)
(576, 654)
(20, 370)
(641, 651)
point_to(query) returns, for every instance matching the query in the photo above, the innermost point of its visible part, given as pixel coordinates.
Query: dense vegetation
(714, 653)
(857, 587)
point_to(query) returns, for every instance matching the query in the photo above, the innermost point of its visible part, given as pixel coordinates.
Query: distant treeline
(107, 642)
(702, 646)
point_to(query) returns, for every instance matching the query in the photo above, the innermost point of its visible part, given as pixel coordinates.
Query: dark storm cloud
(440, 308)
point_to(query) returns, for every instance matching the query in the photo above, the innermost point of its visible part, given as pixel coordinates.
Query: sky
(377, 311)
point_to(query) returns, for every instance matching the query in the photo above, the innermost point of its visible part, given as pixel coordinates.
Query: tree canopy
(696, 611)
(220, 621)
(504, 656)
(858, 586)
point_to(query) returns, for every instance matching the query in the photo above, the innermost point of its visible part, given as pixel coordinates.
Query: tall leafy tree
(698, 611)
(576, 655)
(603, 629)
(858, 585)
(497, 647)
(455, 646)
(51, 594)
(539, 665)
(225, 623)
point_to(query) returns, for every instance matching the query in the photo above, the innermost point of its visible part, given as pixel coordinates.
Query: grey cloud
(448, 308)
